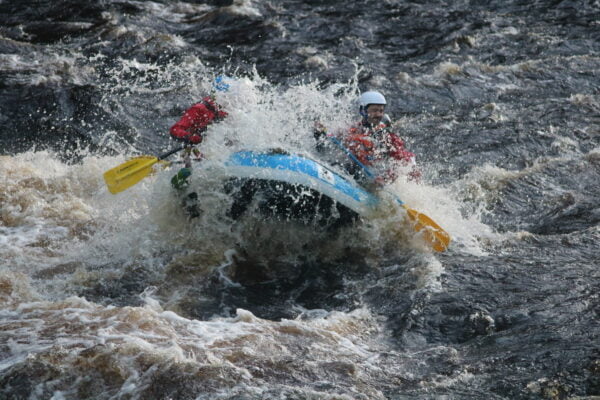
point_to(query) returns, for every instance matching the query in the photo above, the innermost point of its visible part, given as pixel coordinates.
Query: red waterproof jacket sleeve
(195, 121)
(397, 150)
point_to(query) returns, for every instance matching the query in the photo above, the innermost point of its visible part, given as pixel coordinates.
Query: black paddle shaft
(168, 153)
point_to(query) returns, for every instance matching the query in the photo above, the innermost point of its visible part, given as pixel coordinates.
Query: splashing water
(122, 297)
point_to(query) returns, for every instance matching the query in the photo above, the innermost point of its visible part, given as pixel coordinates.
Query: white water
(64, 234)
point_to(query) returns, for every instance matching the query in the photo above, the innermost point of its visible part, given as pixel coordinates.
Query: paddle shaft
(357, 162)
(172, 151)
(352, 156)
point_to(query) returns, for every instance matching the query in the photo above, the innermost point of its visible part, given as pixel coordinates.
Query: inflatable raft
(292, 186)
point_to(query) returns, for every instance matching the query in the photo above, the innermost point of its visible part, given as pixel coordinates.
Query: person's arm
(407, 158)
(192, 124)
(397, 150)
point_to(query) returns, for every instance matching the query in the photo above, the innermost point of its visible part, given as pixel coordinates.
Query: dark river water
(121, 297)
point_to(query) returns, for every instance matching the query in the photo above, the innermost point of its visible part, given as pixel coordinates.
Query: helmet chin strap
(363, 111)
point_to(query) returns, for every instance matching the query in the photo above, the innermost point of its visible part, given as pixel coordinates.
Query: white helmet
(371, 97)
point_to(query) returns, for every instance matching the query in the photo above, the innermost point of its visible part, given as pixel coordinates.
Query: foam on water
(121, 349)
(144, 265)
(113, 297)
(81, 222)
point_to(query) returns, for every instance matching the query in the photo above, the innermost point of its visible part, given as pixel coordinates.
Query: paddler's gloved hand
(319, 131)
(380, 181)
(194, 139)
(197, 154)
(190, 152)
(415, 175)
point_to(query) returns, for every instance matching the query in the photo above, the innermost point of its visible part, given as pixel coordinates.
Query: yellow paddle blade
(433, 233)
(129, 173)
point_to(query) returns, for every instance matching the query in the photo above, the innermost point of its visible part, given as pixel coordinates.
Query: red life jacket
(375, 143)
(378, 147)
(196, 120)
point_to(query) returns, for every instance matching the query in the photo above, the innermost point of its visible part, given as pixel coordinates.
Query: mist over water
(121, 297)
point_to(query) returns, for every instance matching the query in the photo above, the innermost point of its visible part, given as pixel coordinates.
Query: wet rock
(510, 319)
(480, 323)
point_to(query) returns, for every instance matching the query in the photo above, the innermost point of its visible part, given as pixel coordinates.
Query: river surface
(121, 297)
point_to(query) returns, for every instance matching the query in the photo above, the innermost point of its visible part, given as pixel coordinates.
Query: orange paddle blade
(438, 238)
